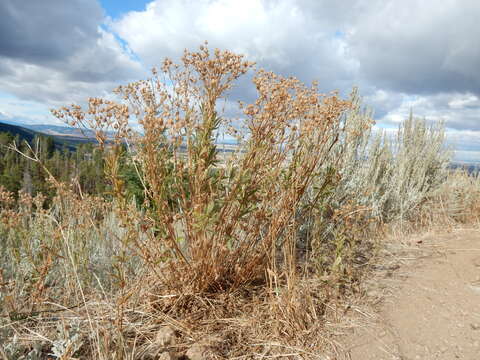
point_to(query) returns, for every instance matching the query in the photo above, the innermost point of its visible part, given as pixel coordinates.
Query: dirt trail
(433, 311)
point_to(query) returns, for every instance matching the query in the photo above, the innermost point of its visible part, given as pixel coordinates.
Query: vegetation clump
(259, 244)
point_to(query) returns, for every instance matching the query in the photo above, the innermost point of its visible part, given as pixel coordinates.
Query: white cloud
(24, 111)
(463, 101)
(466, 144)
(87, 72)
(460, 111)
(280, 35)
(418, 46)
(54, 52)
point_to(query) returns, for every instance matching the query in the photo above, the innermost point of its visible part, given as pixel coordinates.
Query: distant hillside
(471, 168)
(59, 130)
(28, 133)
(23, 133)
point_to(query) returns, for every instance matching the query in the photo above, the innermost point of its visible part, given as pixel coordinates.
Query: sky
(421, 55)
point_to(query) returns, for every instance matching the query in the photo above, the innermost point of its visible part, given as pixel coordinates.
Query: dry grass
(263, 252)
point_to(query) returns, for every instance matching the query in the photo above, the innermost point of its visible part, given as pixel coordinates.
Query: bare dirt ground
(426, 305)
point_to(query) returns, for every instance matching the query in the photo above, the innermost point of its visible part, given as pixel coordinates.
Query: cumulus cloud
(466, 144)
(402, 54)
(420, 47)
(459, 111)
(281, 35)
(24, 111)
(47, 30)
(54, 51)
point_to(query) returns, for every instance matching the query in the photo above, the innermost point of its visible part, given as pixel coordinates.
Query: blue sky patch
(115, 8)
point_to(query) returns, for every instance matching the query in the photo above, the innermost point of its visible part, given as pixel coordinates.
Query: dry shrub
(219, 227)
(455, 201)
(219, 232)
(252, 248)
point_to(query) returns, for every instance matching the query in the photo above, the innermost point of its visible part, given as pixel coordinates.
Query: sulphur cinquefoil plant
(221, 225)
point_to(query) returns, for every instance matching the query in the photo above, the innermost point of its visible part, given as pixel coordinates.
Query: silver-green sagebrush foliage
(390, 173)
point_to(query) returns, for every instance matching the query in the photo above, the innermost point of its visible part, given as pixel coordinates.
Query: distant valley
(63, 136)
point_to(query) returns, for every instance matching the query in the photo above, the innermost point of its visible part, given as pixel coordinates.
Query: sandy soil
(429, 306)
